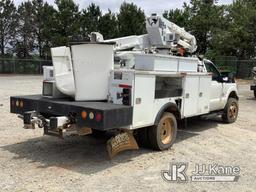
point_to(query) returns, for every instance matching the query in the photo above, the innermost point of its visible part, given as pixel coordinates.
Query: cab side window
(212, 69)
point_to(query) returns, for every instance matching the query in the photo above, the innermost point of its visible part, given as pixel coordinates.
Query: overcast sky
(149, 6)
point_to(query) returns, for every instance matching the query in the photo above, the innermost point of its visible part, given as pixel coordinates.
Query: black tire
(162, 136)
(230, 112)
(142, 137)
(255, 94)
(98, 134)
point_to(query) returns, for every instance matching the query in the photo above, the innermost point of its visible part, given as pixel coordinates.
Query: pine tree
(68, 22)
(8, 25)
(108, 25)
(131, 20)
(44, 25)
(25, 38)
(90, 19)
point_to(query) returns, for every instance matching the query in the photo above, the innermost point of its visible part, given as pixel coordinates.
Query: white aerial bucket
(84, 74)
(63, 70)
(92, 64)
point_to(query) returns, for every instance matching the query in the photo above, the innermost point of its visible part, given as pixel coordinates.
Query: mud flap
(121, 142)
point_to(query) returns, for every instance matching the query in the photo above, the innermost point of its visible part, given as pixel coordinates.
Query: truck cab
(223, 86)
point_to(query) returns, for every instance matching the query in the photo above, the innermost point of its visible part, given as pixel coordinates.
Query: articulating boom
(165, 33)
(161, 34)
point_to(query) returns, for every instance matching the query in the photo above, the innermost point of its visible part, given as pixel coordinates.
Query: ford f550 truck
(137, 85)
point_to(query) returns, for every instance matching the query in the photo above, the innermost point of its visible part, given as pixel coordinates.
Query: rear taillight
(17, 103)
(98, 117)
(95, 116)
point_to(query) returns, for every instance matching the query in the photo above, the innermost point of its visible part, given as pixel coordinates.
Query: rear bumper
(96, 115)
(253, 87)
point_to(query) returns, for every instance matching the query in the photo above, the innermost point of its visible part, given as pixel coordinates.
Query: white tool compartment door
(144, 92)
(191, 96)
(204, 94)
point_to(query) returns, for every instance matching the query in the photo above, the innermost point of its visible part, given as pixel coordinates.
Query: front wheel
(230, 112)
(162, 136)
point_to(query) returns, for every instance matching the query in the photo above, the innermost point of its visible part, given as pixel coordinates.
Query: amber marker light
(84, 114)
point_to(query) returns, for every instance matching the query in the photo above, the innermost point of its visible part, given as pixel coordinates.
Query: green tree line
(33, 27)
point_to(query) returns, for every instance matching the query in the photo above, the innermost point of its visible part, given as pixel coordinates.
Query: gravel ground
(32, 162)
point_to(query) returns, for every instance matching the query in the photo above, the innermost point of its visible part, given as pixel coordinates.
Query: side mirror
(227, 77)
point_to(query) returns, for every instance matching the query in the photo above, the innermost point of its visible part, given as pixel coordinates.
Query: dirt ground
(30, 161)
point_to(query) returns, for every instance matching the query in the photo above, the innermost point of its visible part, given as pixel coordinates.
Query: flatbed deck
(99, 115)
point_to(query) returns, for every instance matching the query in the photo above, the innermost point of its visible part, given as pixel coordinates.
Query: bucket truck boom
(165, 33)
(161, 33)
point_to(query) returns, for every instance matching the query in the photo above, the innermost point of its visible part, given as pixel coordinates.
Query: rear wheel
(142, 137)
(98, 134)
(230, 112)
(162, 136)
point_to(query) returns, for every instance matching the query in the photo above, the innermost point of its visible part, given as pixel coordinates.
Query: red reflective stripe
(125, 86)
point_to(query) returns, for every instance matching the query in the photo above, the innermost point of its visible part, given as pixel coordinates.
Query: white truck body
(198, 94)
(192, 87)
(143, 85)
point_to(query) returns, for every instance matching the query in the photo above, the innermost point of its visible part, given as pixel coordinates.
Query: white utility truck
(138, 85)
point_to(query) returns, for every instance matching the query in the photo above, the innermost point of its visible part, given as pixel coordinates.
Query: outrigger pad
(121, 142)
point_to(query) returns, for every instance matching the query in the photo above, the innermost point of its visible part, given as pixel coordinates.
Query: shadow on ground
(88, 155)
(251, 98)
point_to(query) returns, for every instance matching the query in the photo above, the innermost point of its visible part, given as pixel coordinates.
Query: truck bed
(112, 115)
